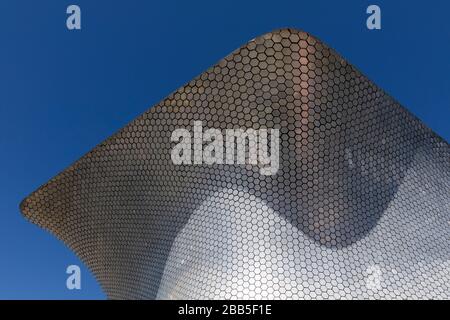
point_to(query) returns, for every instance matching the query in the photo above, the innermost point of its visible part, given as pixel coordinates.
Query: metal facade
(360, 206)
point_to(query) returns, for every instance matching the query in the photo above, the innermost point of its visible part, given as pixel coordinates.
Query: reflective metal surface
(360, 206)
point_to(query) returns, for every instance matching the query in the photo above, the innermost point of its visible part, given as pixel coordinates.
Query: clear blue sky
(62, 92)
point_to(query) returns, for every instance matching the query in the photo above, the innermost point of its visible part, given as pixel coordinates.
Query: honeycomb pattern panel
(359, 206)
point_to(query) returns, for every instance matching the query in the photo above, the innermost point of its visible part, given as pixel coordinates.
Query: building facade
(359, 206)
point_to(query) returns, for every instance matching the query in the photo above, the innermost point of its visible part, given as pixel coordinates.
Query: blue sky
(62, 92)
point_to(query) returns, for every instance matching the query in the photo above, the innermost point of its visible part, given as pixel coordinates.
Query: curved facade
(359, 206)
